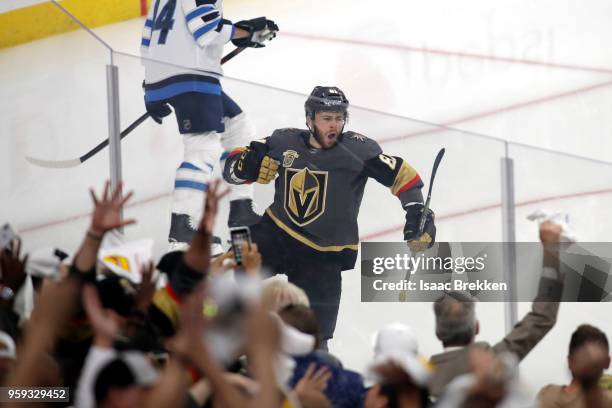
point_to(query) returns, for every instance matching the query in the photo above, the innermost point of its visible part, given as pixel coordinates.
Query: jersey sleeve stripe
(236, 151)
(211, 16)
(406, 178)
(205, 29)
(189, 166)
(189, 184)
(199, 11)
(409, 185)
(146, 33)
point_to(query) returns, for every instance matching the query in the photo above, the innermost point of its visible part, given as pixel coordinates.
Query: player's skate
(182, 229)
(242, 213)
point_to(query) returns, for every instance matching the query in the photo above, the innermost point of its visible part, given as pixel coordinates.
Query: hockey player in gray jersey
(182, 45)
(310, 230)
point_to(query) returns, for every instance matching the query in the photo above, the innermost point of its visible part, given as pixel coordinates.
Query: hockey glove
(254, 165)
(260, 29)
(158, 110)
(413, 217)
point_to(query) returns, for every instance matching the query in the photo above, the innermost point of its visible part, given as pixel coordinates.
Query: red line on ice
(365, 237)
(475, 210)
(480, 115)
(446, 53)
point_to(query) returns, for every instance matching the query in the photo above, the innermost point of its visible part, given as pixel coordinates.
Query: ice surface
(53, 104)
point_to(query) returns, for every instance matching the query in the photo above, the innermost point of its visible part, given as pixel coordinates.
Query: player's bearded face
(327, 128)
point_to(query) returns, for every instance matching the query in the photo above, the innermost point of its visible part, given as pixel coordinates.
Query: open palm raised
(106, 215)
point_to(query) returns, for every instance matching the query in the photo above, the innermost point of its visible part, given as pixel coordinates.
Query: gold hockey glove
(267, 170)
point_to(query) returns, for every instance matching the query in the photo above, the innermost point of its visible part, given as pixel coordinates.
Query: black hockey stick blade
(63, 164)
(431, 181)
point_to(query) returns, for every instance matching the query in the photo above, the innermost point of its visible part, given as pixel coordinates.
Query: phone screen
(6, 235)
(238, 236)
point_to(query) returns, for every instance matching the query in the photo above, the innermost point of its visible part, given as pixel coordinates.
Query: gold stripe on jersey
(306, 241)
(167, 304)
(404, 177)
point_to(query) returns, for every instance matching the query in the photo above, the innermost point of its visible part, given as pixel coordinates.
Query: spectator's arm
(543, 315)
(12, 277)
(12, 268)
(189, 347)
(191, 268)
(310, 388)
(197, 256)
(171, 388)
(105, 330)
(105, 217)
(262, 347)
(54, 307)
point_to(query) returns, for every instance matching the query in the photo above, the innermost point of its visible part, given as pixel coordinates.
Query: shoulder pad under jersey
(364, 147)
(281, 136)
(286, 131)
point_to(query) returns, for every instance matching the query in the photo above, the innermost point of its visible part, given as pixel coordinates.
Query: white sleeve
(147, 32)
(95, 360)
(206, 23)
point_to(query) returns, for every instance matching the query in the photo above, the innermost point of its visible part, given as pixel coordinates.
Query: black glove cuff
(413, 219)
(248, 165)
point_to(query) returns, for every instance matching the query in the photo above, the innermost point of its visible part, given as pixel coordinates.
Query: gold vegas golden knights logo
(305, 192)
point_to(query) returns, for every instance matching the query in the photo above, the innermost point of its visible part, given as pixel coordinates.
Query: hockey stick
(63, 164)
(232, 54)
(403, 294)
(433, 176)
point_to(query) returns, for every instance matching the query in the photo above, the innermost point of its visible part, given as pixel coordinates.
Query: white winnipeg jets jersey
(189, 35)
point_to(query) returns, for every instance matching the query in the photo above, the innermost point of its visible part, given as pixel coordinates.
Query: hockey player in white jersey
(187, 38)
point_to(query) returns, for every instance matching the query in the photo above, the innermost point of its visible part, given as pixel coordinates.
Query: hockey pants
(317, 273)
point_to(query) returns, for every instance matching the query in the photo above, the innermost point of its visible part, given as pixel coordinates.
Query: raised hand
(189, 342)
(104, 326)
(313, 381)
(251, 258)
(211, 206)
(107, 210)
(12, 267)
(550, 235)
(222, 263)
(147, 287)
(197, 256)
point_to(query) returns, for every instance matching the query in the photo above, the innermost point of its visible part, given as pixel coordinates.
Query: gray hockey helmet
(326, 99)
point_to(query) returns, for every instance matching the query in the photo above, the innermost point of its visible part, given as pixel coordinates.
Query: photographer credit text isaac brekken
(456, 265)
(456, 285)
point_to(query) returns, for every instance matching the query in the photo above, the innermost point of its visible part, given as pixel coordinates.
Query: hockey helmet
(326, 99)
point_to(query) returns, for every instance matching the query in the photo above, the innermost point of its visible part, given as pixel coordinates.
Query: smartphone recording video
(239, 235)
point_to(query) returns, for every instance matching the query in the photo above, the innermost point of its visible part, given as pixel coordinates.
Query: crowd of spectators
(198, 331)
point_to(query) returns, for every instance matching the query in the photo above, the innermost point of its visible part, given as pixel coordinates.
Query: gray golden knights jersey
(318, 192)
